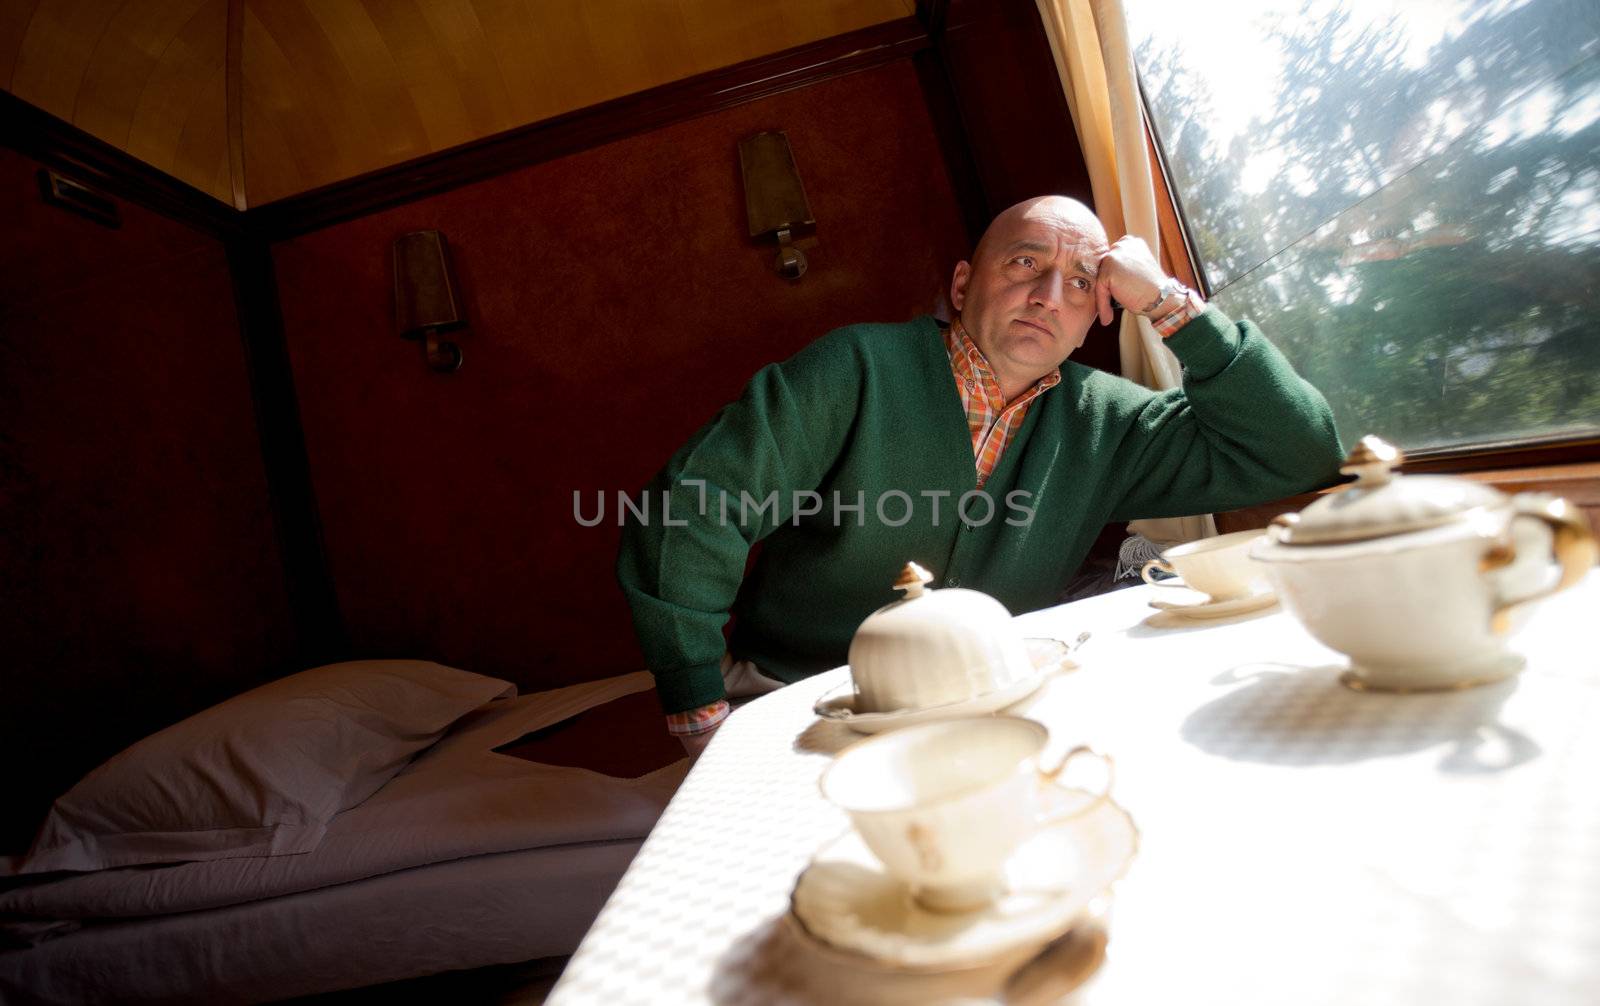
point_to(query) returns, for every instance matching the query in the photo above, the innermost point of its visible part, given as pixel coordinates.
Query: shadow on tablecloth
(825, 737)
(772, 965)
(1287, 714)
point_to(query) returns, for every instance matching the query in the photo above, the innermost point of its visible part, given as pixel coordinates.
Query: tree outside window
(1406, 197)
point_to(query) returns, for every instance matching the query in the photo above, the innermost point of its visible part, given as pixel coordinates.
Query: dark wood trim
(1506, 454)
(933, 73)
(933, 14)
(590, 127)
(313, 603)
(66, 148)
(1578, 482)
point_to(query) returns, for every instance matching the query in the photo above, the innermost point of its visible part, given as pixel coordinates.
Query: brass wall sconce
(774, 199)
(425, 301)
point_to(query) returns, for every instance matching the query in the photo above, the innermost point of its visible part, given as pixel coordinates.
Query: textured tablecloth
(1301, 843)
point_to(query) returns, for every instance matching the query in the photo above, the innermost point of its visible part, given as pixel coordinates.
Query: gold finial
(912, 579)
(1372, 460)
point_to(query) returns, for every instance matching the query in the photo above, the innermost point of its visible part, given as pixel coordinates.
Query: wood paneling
(145, 77)
(142, 574)
(100, 165)
(366, 85)
(328, 89)
(658, 107)
(614, 301)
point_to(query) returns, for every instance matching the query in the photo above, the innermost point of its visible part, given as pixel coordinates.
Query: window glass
(1405, 196)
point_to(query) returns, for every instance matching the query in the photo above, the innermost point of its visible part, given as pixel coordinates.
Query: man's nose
(1050, 288)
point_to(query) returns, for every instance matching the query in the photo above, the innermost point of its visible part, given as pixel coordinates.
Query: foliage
(1426, 246)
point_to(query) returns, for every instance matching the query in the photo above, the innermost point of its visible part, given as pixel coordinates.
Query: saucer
(1048, 656)
(1219, 609)
(846, 902)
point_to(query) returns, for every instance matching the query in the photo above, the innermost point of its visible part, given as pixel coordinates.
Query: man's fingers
(1102, 294)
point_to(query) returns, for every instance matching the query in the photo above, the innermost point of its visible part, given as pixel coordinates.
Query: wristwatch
(1169, 289)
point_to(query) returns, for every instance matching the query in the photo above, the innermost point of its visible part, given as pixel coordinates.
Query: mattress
(473, 912)
(468, 857)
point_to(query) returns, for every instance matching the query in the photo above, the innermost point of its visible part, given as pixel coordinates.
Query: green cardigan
(870, 409)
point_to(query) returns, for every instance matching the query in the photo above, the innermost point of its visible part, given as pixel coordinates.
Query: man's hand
(1129, 275)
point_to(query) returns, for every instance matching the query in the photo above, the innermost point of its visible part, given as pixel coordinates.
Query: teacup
(944, 805)
(1219, 567)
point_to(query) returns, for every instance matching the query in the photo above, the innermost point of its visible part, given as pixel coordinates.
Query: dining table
(1298, 841)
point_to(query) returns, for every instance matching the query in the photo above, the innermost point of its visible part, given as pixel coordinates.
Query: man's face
(1027, 298)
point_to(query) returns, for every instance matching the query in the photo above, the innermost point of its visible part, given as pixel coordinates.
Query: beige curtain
(1095, 61)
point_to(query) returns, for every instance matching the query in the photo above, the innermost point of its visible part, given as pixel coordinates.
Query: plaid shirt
(993, 422)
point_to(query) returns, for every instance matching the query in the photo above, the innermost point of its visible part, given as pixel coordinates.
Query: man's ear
(958, 284)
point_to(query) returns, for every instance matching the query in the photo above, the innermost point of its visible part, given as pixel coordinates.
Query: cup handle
(1574, 546)
(1053, 775)
(1144, 573)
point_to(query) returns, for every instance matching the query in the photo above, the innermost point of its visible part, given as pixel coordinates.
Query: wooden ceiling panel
(130, 47)
(287, 131)
(179, 90)
(329, 89)
(14, 18)
(201, 152)
(57, 42)
(141, 75)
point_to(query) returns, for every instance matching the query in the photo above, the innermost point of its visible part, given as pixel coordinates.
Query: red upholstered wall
(141, 579)
(615, 303)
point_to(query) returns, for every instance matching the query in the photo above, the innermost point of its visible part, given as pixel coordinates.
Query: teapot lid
(1381, 502)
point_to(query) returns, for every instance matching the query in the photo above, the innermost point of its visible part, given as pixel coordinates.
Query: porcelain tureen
(1419, 579)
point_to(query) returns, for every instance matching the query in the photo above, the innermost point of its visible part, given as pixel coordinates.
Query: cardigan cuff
(1206, 345)
(686, 688)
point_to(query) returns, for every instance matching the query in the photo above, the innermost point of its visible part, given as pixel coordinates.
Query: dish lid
(934, 646)
(1382, 503)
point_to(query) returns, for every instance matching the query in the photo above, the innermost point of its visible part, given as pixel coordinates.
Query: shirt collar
(969, 364)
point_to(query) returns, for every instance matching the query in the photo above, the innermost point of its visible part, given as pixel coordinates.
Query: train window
(1405, 196)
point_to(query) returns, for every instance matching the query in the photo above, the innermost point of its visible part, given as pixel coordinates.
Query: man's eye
(1026, 261)
(1080, 283)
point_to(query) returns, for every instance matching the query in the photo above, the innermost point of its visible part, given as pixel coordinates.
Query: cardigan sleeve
(1244, 428)
(733, 483)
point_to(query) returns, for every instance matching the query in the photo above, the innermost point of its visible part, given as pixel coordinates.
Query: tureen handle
(1373, 462)
(1574, 548)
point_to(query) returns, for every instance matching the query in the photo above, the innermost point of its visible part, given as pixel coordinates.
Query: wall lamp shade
(774, 200)
(425, 301)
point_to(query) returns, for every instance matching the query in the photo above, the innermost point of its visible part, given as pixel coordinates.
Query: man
(977, 451)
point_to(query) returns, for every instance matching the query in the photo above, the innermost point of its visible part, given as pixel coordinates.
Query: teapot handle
(1574, 547)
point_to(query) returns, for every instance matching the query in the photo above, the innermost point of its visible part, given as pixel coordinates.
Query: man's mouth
(1036, 327)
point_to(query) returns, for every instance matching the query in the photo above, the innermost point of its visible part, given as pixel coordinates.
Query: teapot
(1420, 579)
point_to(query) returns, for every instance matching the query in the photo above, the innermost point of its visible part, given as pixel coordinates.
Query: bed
(462, 856)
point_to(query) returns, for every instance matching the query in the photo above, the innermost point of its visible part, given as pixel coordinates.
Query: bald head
(1055, 212)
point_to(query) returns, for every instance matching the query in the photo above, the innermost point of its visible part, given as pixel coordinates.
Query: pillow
(260, 774)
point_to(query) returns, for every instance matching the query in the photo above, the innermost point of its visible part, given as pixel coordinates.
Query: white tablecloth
(1301, 843)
